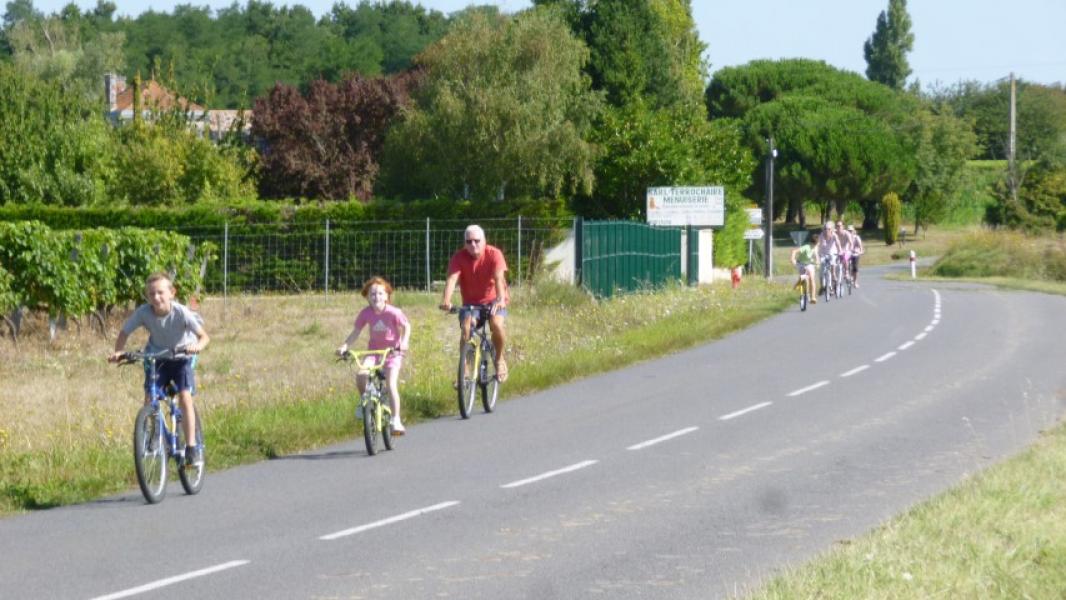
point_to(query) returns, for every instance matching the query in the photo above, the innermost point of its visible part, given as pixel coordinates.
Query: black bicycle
(477, 363)
(158, 434)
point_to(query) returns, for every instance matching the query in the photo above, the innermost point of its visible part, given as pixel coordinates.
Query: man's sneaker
(397, 426)
(194, 456)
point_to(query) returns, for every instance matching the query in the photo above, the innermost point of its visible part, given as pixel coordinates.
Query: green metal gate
(624, 256)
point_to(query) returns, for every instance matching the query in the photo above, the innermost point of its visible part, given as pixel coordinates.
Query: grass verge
(274, 389)
(1001, 534)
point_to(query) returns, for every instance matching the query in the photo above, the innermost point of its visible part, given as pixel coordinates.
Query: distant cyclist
(828, 249)
(844, 237)
(479, 270)
(805, 258)
(857, 250)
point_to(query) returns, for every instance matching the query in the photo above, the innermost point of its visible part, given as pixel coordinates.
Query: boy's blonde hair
(378, 281)
(154, 277)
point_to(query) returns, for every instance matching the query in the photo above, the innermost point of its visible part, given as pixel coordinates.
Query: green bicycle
(373, 410)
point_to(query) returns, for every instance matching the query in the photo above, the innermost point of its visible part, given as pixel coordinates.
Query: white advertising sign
(678, 206)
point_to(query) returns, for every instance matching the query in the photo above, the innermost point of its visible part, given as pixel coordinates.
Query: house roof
(154, 96)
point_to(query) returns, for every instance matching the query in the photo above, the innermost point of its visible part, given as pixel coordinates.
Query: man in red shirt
(479, 270)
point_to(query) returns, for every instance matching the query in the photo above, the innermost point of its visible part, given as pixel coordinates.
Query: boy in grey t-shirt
(170, 325)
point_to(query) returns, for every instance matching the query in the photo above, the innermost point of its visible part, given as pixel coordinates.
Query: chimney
(114, 84)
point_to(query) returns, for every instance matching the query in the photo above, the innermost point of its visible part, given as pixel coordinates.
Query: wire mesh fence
(340, 256)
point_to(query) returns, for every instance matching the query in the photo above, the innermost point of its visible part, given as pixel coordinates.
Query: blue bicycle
(158, 434)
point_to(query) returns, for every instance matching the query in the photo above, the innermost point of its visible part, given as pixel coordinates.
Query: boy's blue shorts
(179, 372)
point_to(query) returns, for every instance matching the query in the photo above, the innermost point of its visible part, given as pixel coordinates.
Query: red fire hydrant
(734, 276)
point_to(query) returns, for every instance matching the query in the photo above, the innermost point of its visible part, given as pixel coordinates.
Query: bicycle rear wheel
(466, 378)
(370, 423)
(487, 380)
(192, 477)
(150, 454)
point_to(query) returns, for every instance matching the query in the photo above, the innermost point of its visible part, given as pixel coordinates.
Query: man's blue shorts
(478, 314)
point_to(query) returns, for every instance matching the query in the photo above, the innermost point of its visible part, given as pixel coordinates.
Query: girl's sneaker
(397, 426)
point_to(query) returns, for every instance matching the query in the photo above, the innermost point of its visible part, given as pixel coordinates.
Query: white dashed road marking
(668, 436)
(815, 386)
(155, 585)
(858, 369)
(542, 476)
(407, 515)
(744, 411)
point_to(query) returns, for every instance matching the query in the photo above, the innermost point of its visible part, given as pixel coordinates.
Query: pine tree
(886, 50)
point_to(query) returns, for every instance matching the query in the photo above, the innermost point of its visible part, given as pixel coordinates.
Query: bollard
(914, 272)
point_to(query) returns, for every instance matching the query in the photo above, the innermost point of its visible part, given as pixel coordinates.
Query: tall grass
(268, 385)
(1005, 254)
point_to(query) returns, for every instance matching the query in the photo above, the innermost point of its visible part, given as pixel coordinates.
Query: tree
(840, 137)
(504, 113)
(326, 144)
(55, 147)
(640, 49)
(945, 145)
(886, 50)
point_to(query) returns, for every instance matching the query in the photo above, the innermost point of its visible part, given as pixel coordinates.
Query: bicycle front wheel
(192, 476)
(488, 383)
(385, 421)
(150, 454)
(466, 378)
(370, 424)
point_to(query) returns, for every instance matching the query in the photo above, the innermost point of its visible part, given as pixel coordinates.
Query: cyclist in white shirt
(828, 248)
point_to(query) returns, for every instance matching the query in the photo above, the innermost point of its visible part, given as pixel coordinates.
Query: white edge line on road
(808, 388)
(905, 345)
(542, 476)
(744, 411)
(855, 370)
(663, 438)
(407, 515)
(172, 580)
(920, 336)
(884, 357)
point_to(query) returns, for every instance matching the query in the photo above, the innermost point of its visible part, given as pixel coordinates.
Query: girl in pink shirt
(389, 328)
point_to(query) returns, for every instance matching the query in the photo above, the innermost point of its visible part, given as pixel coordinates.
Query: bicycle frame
(158, 396)
(371, 400)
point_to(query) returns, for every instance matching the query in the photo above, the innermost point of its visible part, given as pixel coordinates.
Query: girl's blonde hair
(378, 281)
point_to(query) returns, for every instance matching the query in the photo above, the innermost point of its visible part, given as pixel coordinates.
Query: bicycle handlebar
(132, 356)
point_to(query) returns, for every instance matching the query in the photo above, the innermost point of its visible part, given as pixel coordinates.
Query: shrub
(892, 213)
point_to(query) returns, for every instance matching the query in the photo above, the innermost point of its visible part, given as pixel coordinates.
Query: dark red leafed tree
(326, 144)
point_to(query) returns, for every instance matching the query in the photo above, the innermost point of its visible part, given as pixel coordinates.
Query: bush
(1005, 254)
(892, 213)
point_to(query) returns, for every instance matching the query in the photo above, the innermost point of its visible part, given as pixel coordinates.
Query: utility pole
(1012, 173)
(768, 242)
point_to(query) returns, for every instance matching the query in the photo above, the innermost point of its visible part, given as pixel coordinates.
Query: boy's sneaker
(397, 426)
(194, 456)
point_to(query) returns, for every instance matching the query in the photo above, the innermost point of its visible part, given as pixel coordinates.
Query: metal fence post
(519, 249)
(326, 275)
(429, 282)
(578, 249)
(225, 268)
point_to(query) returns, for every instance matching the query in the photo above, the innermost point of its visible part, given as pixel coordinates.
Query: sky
(955, 40)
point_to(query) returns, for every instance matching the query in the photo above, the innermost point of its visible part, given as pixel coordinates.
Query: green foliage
(886, 50)
(503, 113)
(840, 138)
(55, 148)
(8, 299)
(1041, 202)
(1003, 254)
(74, 272)
(1041, 117)
(945, 144)
(892, 214)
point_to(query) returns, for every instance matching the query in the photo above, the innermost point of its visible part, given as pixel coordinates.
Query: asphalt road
(693, 476)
